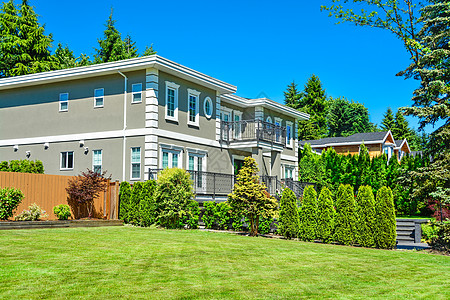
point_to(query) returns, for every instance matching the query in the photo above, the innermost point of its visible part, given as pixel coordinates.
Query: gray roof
(398, 143)
(355, 138)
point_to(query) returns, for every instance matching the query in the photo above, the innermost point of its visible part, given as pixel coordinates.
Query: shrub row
(22, 166)
(437, 235)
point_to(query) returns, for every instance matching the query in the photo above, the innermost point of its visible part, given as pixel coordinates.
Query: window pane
(165, 160)
(170, 102)
(137, 97)
(63, 160)
(98, 169)
(137, 87)
(208, 107)
(192, 108)
(63, 105)
(175, 160)
(64, 97)
(191, 163)
(97, 157)
(98, 101)
(136, 155)
(135, 170)
(70, 160)
(199, 168)
(99, 93)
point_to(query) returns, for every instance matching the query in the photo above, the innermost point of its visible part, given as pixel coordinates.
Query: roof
(357, 138)
(265, 102)
(133, 64)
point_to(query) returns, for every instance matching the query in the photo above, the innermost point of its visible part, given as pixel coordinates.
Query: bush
(190, 220)
(124, 200)
(33, 213)
(345, 221)
(22, 166)
(239, 222)
(137, 194)
(10, 198)
(365, 211)
(441, 239)
(385, 227)
(325, 216)
(174, 198)
(289, 220)
(147, 205)
(62, 211)
(209, 215)
(224, 215)
(308, 222)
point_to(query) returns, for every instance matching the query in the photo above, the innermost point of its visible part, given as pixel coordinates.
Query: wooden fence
(48, 191)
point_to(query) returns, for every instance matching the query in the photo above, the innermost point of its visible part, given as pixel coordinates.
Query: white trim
(67, 161)
(67, 101)
(135, 93)
(344, 144)
(173, 149)
(195, 94)
(173, 86)
(208, 99)
(103, 98)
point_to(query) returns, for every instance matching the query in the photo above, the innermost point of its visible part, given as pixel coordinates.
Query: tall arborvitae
(124, 201)
(136, 196)
(365, 211)
(364, 174)
(388, 121)
(385, 226)
(308, 221)
(292, 96)
(147, 205)
(325, 216)
(345, 221)
(289, 220)
(111, 47)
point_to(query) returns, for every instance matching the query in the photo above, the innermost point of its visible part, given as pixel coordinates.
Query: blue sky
(259, 46)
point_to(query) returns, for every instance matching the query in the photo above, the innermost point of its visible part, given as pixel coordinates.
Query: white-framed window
(64, 102)
(99, 95)
(172, 101)
(388, 150)
(269, 119)
(289, 172)
(170, 156)
(225, 114)
(136, 90)
(97, 161)
(193, 107)
(237, 115)
(289, 135)
(278, 122)
(66, 159)
(135, 163)
(197, 162)
(208, 107)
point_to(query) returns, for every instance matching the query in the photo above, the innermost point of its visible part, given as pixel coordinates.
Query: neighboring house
(376, 142)
(135, 116)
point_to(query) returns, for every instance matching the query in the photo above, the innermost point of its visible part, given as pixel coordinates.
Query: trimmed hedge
(10, 199)
(325, 217)
(209, 215)
(124, 201)
(147, 204)
(308, 219)
(137, 194)
(365, 207)
(345, 222)
(385, 228)
(22, 166)
(289, 220)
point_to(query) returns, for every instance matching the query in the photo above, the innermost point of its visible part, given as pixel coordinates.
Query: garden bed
(58, 224)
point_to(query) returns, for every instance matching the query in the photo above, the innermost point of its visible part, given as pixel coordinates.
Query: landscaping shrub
(174, 198)
(385, 227)
(239, 222)
(440, 240)
(224, 215)
(325, 216)
(147, 205)
(22, 166)
(137, 194)
(365, 211)
(265, 224)
(62, 211)
(209, 215)
(308, 221)
(124, 200)
(345, 221)
(289, 220)
(10, 198)
(33, 213)
(190, 220)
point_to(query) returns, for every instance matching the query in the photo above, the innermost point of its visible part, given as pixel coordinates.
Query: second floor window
(98, 97)
(64, 102)
(289, 135)
(193, 107)
(172, 101)
(137, 92)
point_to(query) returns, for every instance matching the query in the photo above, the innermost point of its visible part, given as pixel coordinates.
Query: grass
(129, 262)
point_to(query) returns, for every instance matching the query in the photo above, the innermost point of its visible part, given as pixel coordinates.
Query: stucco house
(135, 116)
(376, 142)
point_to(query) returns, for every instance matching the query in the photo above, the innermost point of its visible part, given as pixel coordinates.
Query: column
(151, 120)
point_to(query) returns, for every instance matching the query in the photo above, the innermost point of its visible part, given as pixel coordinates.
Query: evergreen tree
(124, 201)
(289, 220)
(363, 166)
(292, 96)
(64, 57)
(311, 167)
(147, 205)
(365, 211)
(347, 117)
(308, 222)
(325, 217)
(345, 221)
(385, 228)
(401, 129)
(130, 48)
(9, 38)
(112, 47)
(149, 51)
(388, 121)
(136, 196)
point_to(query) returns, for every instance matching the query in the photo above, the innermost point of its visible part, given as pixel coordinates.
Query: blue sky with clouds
(259, 46)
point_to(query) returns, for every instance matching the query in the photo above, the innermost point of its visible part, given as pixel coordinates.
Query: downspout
(124, 123)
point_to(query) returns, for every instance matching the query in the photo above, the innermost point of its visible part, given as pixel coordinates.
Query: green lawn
(128, 262)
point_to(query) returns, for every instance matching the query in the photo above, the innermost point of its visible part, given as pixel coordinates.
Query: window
(136, 163)
(98, 97)
(193, 100)
(64, 102)
(172, 101)
(97, 161)
(197, 163)
(288, 172)
(278, 130)
(237, 124)
(208, 107)
(289, 135)
(67, 160)
(170, 156)
(137, 93)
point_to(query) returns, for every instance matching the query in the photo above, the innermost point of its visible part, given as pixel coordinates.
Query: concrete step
(412, 246)
(406, 224)
(405, 233)
(402, 239)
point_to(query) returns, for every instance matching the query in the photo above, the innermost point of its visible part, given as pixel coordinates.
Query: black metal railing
(252, 130)
(297, 186)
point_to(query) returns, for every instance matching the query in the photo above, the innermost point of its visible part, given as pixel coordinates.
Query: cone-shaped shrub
(124, 200)
(309, 214)
(385, 228)
(345, 222)
(365, 211)
(325, 216)
(147, 205)
(136, 195)
(289, 221)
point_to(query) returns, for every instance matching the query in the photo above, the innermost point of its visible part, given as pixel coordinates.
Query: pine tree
(289, 220)
(149, 51)
(124, 201)
(9, 38)
(325, 217)
(130, 48)
(345, 221)
(347, 117)
(64, 57)
(388, 121)
(292, 96)
(112, 47)
(401, 129)
(308, 221)
(385, 226)
(365, 211)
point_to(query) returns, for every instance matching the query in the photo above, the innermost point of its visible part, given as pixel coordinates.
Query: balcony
(252, 131)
